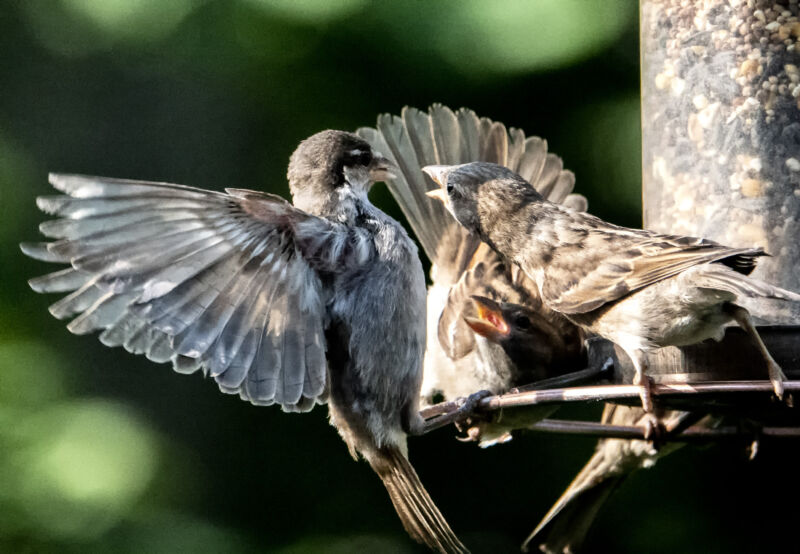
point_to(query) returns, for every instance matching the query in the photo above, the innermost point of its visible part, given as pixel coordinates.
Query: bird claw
(654, 430)
(473, 434)
(777, 377)
(467, 414)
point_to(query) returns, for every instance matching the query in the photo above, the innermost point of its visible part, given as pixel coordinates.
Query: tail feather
(721, 277)
(443, 136)
(565, 526)
(421, 518)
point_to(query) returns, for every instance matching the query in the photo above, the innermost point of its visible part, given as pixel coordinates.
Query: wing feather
(204, 279)
(585, 273)
(441, 136)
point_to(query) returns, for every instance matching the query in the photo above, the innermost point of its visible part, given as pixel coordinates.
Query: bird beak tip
(382, 169)
(438, 194)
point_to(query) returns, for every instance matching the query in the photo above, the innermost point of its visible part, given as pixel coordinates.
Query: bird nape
(262, 295)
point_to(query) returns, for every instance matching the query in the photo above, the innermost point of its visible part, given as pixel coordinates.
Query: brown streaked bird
(294, 305)
(564, 528)
(639, 289)
(459, 361)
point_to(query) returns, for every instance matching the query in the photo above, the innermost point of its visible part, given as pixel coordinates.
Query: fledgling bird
(460, 361)
(640, 289)
(295, 305)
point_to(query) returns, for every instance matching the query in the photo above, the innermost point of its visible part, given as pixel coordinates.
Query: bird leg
(653, 429)
(467, 409)
(646, 394)
(776, 375)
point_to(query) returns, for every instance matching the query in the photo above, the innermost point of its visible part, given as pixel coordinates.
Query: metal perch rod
(622, 392)
(692, 434)
(445, 413)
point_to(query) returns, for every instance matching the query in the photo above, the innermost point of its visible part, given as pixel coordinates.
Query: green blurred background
(103, 451)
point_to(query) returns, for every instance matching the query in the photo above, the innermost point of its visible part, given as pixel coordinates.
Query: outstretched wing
(203, 279)
(440, 136)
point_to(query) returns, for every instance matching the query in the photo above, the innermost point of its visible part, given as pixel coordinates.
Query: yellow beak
(438, 194)
(438, 173)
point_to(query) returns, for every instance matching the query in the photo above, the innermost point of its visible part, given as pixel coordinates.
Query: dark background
(102, 451)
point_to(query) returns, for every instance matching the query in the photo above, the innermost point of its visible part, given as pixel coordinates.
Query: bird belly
(382, 310)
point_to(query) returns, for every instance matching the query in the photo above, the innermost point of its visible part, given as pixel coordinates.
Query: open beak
(490, 322)
(381, 168)
(438, 173)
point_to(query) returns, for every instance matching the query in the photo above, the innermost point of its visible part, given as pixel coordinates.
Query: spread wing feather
(440, 136)
(416, 139)
(207, 280)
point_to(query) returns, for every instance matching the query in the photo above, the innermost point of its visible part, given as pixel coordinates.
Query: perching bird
(460, 361)
(564, 528)
(639, 289)
(294, 305)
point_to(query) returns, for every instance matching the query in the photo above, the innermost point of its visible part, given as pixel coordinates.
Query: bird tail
(421, 518)
(721, 277)
(565, 526)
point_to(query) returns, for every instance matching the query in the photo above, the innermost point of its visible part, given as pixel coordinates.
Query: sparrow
(565, 526)
(321, 300)
(464, 354)
(639, 289)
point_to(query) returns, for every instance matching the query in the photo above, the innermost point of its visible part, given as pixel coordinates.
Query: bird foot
(654, 430)
(777, 377)
(467, 414)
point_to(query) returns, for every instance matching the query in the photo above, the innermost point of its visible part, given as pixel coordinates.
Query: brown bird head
(477, 193)
(329, 160)
(525, 334)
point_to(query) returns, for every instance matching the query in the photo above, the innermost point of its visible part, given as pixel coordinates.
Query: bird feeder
(721, 129)
(720, 82)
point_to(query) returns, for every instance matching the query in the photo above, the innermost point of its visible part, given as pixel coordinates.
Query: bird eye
(358, 157)
(522, 322)
(449, 188)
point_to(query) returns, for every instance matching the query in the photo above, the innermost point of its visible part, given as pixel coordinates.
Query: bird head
(478, 192)
(326, 162)
(527, 338)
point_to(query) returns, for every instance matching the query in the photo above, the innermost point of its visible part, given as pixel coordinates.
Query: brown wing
(485, 275)
(597, 263)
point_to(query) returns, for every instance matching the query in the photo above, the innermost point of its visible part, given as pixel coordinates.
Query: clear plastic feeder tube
(721, 125)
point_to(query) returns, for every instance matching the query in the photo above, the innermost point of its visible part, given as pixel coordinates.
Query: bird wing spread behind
(596, 262)
(440, 136)
(416, 139)
(204, 279)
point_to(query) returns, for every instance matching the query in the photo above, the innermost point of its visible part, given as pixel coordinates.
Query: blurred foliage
(102, 451)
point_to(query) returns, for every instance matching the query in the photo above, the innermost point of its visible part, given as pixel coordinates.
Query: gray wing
(203, 279)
